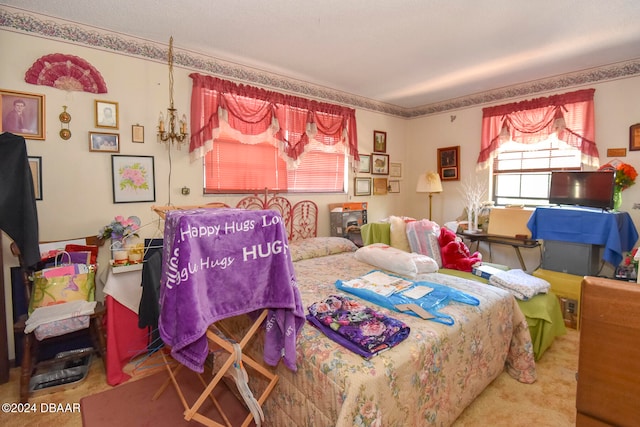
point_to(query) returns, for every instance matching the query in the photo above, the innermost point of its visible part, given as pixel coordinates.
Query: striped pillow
(423, 239)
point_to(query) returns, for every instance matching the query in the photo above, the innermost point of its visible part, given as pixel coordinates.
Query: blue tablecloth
(613, 230)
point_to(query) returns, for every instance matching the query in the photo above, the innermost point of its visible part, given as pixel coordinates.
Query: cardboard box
(509, 222)
(346, 217)
(349, 206)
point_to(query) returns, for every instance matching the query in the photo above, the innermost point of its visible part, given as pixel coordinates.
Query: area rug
(131, 403)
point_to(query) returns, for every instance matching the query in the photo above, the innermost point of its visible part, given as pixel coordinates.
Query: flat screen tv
(591, 189)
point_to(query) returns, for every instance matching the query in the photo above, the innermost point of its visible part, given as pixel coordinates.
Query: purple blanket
(220, 263)
(359, 328)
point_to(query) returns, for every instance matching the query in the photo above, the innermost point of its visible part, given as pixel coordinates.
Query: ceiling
(406, 53)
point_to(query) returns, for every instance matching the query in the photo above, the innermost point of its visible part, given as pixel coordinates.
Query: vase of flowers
(625, 177)
(119, 231)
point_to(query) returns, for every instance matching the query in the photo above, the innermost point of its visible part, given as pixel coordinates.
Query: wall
(77, 184)
(616, 108)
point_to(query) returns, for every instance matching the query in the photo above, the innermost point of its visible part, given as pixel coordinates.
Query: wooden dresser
(609, 361)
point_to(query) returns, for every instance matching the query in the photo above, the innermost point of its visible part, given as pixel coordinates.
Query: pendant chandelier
(168, 132)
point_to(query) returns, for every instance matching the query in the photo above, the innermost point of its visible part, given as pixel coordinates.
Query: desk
(516, 244)
(124, 338)
(614, 231)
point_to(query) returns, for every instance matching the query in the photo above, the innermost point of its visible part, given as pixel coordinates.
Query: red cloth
(527, 121)
(124, 340)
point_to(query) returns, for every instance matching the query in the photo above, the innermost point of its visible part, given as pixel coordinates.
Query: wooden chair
(31, 364)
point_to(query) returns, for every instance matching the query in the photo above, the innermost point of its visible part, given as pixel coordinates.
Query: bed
(428, 379)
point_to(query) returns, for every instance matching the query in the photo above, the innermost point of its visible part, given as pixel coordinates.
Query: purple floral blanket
(357, 327)
(220, 263)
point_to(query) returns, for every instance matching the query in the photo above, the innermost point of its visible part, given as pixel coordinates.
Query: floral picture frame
(133, 179)
(32, 110)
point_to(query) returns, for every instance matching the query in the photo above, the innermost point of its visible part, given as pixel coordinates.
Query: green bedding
(543, 314)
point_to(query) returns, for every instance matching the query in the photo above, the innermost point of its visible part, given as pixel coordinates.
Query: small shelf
(126, 267)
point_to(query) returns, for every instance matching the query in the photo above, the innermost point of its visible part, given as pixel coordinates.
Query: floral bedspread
(428, 379)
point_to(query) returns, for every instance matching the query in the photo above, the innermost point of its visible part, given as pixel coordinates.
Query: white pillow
(406, 264)
(398, 232)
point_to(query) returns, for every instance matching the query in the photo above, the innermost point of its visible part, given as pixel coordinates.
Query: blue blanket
(220, 263)
(438, 298)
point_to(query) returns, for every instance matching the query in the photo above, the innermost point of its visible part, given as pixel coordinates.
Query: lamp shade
(429, 182)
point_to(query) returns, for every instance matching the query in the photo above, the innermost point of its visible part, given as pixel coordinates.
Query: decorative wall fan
(66, 72)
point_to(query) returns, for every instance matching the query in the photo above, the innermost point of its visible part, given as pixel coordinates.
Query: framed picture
(394, 186)
(35, 164)
(104, 142)
(395, 170)
(380, 164)
(22, 114)
(106, 114)
(362, 187)
(449, 163)
(133, 179)
(634, 137)
(365, 163)
(379, 141)
(380, 186)
(137, 133)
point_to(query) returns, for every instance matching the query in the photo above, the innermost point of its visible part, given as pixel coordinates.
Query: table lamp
(429, 182)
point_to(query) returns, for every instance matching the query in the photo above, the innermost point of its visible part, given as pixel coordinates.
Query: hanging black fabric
(18, 213)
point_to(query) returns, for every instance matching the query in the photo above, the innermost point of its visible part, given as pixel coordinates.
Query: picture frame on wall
(379, 141)
(133, 178)
(449, 163)
(23, 114)
(380, 186)
(634, 137)
(365, 163)
(106, 113)
(394, 186)
(395, 170)
(380, 164)
(35, 165)
(362, 187)
(137, 133)
(104, 142)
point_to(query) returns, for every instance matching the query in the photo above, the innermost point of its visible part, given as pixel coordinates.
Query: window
(233, 167)
(524, 141)
(253, 139)
(522, 173)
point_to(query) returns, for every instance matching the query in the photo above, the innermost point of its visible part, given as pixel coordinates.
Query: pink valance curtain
(571, 115)
(257, 115)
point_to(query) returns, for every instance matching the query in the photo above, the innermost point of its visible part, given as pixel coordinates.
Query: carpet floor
(130, 398)
(549, 402)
